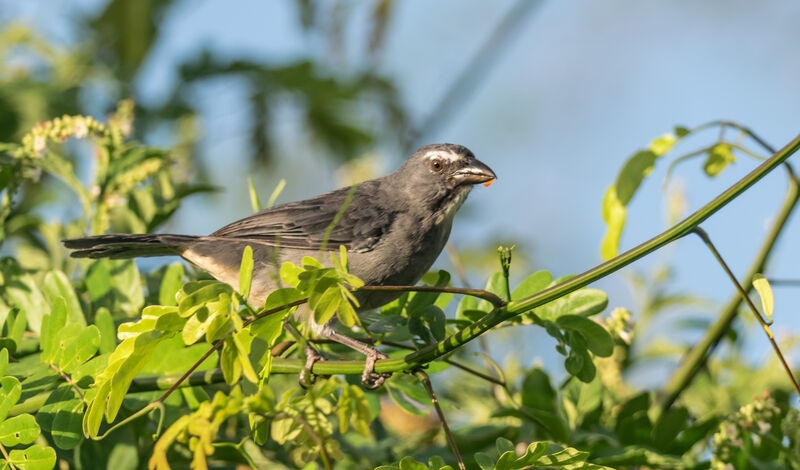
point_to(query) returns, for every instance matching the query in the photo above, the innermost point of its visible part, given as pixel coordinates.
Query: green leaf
(242, 340)
(79, 349)
(484, 461)
(719, 157)
(56, 284)
(563, 457)
(399, 399)
(18, 430)
(532, 454)
(181, 358)
(420, 300)
(582, 302)
(408, 463)
(16, 320)
(10, 391)
(52, 324)
(246, 272)
(598, 340)
(614, 216)
(170, 284)
(630, 177)
(35, 457)
(229, 363)
(116, 285)
(668, 426)
(532, 284)
(3, 361)
(504, 445)
(290, 273)
(761, 285)
(199, 325)
(197, 299)
(254, 202)
(112, 384)
(108, 333)
(497, 285)
(24, 293)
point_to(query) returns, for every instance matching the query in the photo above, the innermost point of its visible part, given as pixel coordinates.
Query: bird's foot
(307, 377)
(373, 380)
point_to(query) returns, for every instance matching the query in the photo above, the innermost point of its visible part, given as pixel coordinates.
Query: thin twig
(69, 381)
(476, 373)
(692, 362)
(426, 381)
(707, 240)
(197, 363)
(8, 459)
(675, 232)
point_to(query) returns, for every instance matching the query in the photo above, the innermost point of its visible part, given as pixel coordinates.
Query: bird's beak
(474, 173)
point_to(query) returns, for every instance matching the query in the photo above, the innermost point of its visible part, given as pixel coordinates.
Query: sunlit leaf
(246, 272)
(56, 284)
(761, 285)
(20, 429)
(35, 457)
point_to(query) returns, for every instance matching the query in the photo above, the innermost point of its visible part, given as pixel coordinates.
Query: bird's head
(442, 176)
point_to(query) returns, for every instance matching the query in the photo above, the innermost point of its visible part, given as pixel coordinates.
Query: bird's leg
(370, 378)
(306, 377)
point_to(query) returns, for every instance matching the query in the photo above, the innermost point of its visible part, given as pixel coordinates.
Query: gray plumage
(393, 227)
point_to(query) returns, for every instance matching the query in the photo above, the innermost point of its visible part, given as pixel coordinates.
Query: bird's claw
(373, 380)
(307, 377)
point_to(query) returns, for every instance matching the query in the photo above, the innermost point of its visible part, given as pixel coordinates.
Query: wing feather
(303, 224)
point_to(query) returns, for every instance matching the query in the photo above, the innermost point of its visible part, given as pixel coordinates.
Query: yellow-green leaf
(761, 285)
(614, 216)
(20, 429)
(719, 157)
(246, 272)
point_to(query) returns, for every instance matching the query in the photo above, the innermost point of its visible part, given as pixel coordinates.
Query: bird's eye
(436, 165)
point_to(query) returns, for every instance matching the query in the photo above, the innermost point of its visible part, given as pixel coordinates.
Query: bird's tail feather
(118, 246)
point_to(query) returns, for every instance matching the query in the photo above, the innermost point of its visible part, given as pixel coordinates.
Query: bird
(393, 227)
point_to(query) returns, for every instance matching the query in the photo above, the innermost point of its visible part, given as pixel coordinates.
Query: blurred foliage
(90, 348)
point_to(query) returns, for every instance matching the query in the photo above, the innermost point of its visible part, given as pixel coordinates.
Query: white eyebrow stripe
(449, 156)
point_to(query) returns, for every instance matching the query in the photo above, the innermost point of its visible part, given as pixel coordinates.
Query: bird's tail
(117, 245)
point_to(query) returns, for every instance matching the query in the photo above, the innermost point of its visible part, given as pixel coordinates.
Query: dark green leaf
(598, 340)
(10, 391)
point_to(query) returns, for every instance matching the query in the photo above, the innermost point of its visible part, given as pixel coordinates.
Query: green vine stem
(693, 361)
(426, 381)
(677, 231)
(707, 240)
(502, 313)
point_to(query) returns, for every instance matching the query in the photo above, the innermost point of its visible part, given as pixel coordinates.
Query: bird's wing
(304, 224)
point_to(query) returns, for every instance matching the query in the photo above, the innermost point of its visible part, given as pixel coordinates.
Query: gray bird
(393, 228)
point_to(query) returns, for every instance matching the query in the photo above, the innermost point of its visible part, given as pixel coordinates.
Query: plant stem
(426, 381)
(675, 232)
(480, 293)
(707, 240)
(693, 361)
